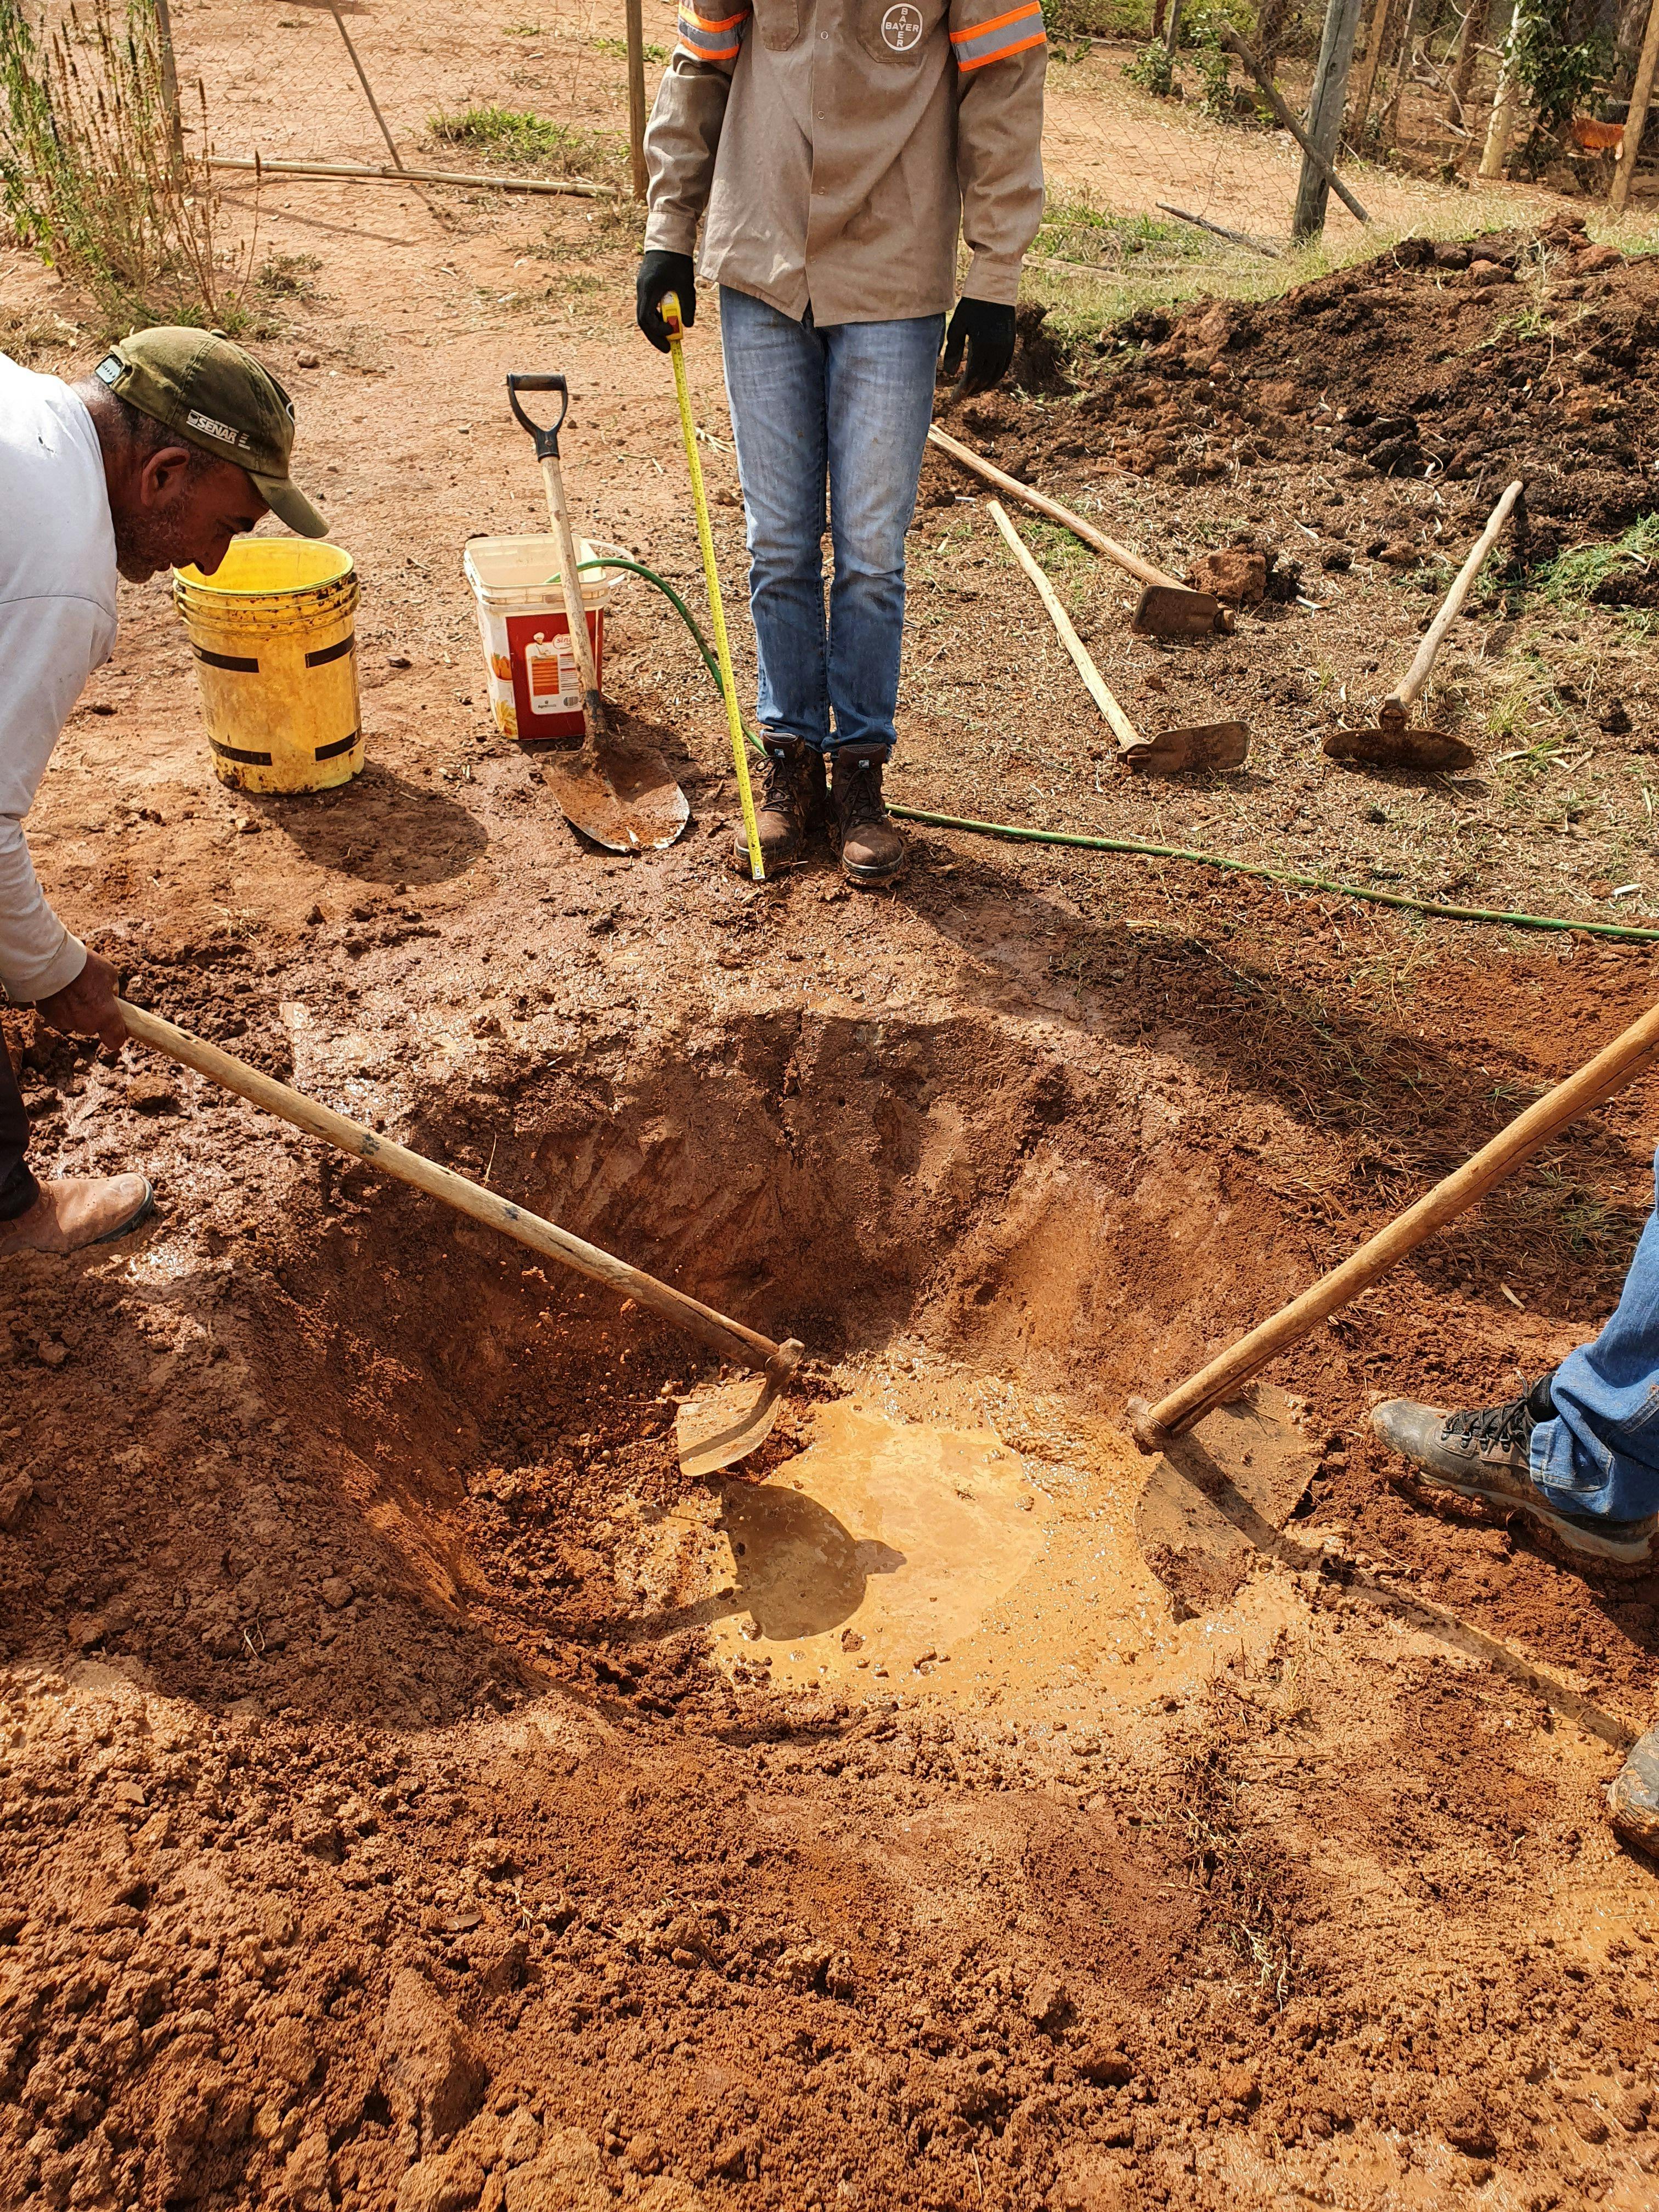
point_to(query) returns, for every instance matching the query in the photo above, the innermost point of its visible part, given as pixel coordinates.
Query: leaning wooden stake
(368, 89)
(1636, 122)
(1598, 1080)
(1232, 43)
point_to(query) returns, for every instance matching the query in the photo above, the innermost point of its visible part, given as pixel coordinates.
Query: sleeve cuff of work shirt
(59, 972)
(669, 230)
(994, 277)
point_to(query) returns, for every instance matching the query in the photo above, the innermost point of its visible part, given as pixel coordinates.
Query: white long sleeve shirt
(58, 622)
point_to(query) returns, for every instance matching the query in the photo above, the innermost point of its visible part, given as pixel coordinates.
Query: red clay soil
(375, 1833)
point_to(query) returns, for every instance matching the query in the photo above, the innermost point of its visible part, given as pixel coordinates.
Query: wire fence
(1151, 128)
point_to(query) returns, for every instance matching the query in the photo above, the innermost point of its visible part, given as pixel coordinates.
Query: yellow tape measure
(671, 315)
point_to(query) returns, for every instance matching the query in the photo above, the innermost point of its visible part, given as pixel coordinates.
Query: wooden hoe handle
(1418, 674)
(1143, 571)
(729, 1337)
(1627, 1057)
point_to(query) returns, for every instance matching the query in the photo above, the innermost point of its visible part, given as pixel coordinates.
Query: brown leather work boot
(78, 1210)
(789, 805)
(871, 849)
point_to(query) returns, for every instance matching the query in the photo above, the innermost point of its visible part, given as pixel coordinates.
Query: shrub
(96, 177)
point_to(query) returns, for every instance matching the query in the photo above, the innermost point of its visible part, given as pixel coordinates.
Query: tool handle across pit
(1418, 674)
(1629, 1055)
(968, 458)
(729, 1339)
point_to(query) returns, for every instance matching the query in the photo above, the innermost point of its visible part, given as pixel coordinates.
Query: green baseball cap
(215, 396)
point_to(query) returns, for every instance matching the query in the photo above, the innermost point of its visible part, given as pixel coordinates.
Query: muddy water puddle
(895, 1555)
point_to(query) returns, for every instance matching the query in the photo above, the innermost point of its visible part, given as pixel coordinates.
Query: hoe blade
(1418, 749)
(623, 799)
(1170, 610)
(1211, 745)
(725, 1424)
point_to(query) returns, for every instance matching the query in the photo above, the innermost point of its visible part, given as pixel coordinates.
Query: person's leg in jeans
(879, 403)
(775, 385)
(18, 1189)
(1599, 1452)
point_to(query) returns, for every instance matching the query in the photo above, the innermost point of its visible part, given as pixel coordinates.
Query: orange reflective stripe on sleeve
(1000, 36)
(712, 39)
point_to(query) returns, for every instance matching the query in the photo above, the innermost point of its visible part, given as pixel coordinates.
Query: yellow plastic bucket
(274, 634)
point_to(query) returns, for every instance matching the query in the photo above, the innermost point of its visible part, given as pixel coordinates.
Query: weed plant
(516, 136)
(97, 177)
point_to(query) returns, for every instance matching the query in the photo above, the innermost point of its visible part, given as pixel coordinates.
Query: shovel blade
(1208, 745)
(1398, 748)
(1170, 610)
(725, 1424)
(623, 797)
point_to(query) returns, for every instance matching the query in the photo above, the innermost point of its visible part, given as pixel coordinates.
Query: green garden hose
(1291, 879)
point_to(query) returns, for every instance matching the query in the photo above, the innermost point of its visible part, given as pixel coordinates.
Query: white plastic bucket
(535, 684)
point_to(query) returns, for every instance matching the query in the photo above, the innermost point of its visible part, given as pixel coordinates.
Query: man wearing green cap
(175, 444)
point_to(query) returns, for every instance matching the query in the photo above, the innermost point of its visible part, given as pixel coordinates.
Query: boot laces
(860, 796)
(785, 790)
(1504, 1427)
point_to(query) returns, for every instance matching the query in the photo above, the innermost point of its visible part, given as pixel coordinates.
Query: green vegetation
(514, 135)
(1153, 69)
(95, 178)
(1572, 577)
(619, 47)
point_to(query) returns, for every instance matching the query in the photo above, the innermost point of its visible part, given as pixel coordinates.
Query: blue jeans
(1601, 1453)
(844, 410)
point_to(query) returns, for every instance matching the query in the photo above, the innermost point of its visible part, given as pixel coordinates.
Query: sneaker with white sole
(1633, 1796)
(1485, 1454)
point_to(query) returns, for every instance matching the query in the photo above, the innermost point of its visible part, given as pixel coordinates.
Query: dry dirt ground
(415, 1793)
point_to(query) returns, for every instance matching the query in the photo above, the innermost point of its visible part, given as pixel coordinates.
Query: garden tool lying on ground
(670, 311)
(1243, 1462)
(1392, 744)
(1209, 745)
(622, 796)
(1167, 608)
(712, 1435)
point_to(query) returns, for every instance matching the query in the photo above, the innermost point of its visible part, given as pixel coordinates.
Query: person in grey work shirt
(834, 150)
(177, 441)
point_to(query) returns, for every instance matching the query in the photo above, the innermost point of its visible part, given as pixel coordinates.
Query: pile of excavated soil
(1515, 353)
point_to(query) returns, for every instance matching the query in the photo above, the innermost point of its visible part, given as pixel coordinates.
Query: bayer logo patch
(901, 26)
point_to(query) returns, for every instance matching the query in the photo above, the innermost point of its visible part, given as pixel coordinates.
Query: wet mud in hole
(417, 1795)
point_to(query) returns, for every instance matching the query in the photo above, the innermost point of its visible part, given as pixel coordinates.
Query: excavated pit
(962, 1219)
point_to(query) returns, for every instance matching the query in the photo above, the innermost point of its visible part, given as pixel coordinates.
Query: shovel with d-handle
(707, 1438)
(622, 796)
(1167, 607)
(1208, 745)
(1393, 743)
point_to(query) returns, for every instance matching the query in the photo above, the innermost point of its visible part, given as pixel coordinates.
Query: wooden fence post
(636, 94)
(1641, 93)
(1325, 116)
(1502, 105)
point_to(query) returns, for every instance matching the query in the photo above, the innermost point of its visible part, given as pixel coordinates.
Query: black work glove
(988, 331)
(660, 274)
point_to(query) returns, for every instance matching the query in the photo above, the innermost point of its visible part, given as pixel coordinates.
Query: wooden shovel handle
(1143, 570)
(570, 582)
(729, 1337)
(1599, 1079)
(1418, 674)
